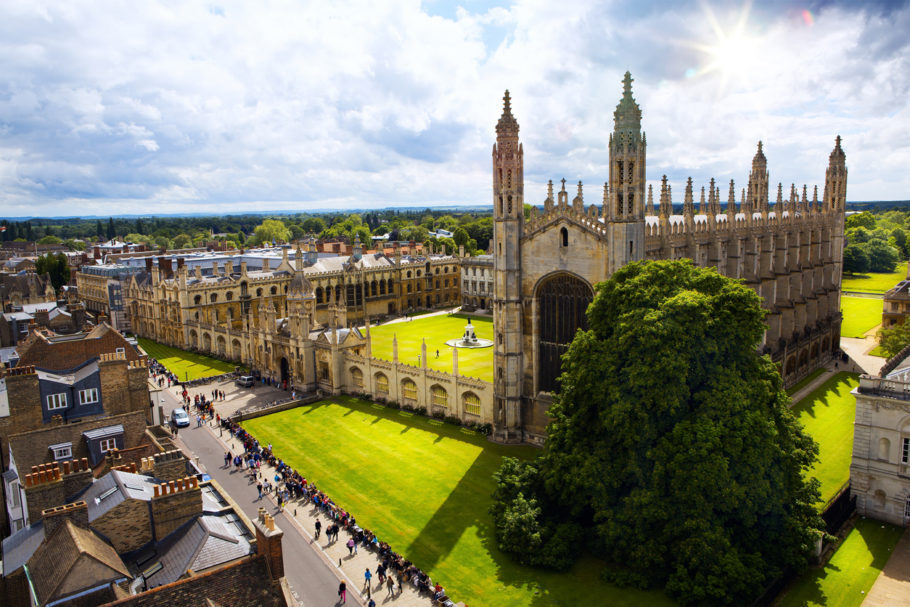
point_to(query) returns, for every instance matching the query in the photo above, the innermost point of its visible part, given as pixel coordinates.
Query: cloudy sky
(111, 107)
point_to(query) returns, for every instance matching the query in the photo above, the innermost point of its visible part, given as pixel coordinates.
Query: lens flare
(808, 19)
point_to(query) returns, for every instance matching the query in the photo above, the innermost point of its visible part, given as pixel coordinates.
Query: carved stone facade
(261, 319)
(546, 267)
(880, 468)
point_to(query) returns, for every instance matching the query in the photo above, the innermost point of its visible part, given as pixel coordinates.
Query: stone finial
(780, 193)
(666, 205)
(702, 205)
(650, 208)
(731, 199)
(688, 203)
(507, 125)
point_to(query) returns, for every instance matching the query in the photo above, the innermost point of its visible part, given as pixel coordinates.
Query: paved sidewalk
(892, 588)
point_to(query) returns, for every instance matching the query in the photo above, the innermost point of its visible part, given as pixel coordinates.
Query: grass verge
(804, 381)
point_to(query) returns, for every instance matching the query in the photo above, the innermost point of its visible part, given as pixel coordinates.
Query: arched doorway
(285, 370)
(562, 300)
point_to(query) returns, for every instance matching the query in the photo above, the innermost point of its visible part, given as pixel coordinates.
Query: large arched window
(357, 377)
(408, 390)
(440, 396)
(382, 383)
(471, 403)
(562, 301)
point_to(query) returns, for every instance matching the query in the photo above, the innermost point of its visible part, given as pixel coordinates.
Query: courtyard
(424, 487)
(436, 329)
(185, 365)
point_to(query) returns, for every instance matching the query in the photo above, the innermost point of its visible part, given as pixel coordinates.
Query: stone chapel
(546, 266)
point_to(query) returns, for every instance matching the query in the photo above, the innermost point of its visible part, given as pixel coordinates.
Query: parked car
(180, 418)
(245, 381)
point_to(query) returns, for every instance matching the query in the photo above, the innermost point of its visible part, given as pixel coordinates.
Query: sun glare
(730, 53)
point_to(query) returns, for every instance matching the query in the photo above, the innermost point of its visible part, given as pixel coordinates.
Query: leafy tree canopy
(894, 339)
(272, 229)
(856, 259)
(671, 444)
(50, 239)
(864, 219)
(55, 265)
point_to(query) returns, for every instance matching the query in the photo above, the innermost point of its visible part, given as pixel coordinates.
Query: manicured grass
(437, 330)
(828, 414)
(186, 365)
(804, 382)
(874, 283)
(877, 351)
(860, 315)
(424, 487)
(846, 579)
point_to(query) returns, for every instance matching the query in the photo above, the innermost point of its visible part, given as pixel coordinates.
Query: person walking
(390, 586)
(367, 576)
(343, 591)
(350, 546)
(318, 528)
(259, 487)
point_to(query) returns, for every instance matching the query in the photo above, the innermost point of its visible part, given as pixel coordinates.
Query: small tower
(836, 180)
(666, 204)
(758, 182)
(508, 219)
(626, 215)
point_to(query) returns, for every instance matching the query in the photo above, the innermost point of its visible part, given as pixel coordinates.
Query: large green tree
(56, 266)
(272, 230)
(671, 443)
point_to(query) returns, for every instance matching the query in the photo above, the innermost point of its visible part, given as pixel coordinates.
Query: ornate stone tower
(834, 204)
(625, 200)
(758, 183)
(508, 219)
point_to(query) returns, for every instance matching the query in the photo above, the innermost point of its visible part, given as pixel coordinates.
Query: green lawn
(828, 414)
(437, 330)
(874, 283)
(424, 487)
(186, 365)
(860, 315)
(846, 579)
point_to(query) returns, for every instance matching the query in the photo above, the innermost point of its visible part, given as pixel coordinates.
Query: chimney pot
(66, 467)
(157, 491)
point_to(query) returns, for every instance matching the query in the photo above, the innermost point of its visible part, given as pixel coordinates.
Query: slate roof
(73, 559)
(20, 547)
(115, 488)
(204, 542)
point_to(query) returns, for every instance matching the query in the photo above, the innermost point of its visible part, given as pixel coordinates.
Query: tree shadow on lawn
(813, 402)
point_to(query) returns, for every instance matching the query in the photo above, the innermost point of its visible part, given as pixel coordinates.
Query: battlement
(173, 487)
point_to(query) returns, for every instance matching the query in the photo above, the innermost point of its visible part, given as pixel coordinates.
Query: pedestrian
(367, 576)
(343, 591)
(390, 586)
(350, 546)
(318, 528)
(437, 353)
(371, 603)
(259, 487)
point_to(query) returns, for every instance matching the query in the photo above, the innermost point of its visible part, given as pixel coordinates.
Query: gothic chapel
(546, 266)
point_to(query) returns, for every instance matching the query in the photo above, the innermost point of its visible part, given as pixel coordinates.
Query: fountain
(469, 339)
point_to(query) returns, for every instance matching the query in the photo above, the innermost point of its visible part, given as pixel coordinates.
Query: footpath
(313, 567)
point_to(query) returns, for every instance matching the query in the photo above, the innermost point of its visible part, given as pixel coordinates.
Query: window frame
(92, 392)
(107, 441)
(64, 453)
(59, 401)
(905, 450)
(471, 407)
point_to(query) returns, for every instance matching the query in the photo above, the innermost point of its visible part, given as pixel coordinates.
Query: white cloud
(144, 107)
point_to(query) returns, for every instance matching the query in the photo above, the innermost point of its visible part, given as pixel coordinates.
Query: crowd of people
(161, 374)
(290, 486)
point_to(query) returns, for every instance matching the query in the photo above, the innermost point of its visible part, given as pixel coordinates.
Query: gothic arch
(562, 299)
